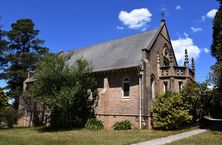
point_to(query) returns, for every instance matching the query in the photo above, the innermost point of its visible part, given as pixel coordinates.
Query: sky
(73, 24)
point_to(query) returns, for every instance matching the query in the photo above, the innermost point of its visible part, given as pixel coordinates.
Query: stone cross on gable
(162, 14)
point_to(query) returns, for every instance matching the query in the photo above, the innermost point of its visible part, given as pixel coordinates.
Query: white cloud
(211, 13)
(195, 29)
(206, 50)
(136, 19)
(181, 44)
(119, 27)
(178, 7)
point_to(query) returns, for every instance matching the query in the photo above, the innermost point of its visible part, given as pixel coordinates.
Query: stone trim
(110, 114)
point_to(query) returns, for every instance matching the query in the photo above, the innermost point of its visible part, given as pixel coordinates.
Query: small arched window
(165, 50)
(153, 86)
(126, 88)
(165, 55)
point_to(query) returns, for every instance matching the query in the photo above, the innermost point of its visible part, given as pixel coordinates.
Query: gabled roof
(117, 54)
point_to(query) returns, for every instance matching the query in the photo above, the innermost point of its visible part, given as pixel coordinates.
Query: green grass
(34, 136)
(208, 138)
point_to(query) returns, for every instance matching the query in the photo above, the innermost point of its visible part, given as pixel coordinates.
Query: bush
(170, 112)
(10, 116)
(122, 125)
(94, 124)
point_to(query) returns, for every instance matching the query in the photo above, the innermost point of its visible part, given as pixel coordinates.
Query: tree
(191, 105)
(216, 48)
(3, 46)
(170, 112)
(68, 91)
(23, 51)
(3, 100)
(198, 99)
(216, 51)
(10, 116)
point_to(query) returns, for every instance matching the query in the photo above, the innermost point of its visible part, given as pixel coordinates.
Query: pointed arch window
(153, 86)
(180, 86)
(165, 86)
(165, 55)
(126, 88)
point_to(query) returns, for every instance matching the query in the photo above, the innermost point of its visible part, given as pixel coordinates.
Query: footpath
(172, 138)
(217, 123)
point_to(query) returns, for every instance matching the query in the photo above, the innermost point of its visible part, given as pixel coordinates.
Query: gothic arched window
(165, 55)
(126, 88)
(153, 86)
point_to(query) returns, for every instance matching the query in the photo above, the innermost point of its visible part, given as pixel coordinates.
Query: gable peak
(162, 21)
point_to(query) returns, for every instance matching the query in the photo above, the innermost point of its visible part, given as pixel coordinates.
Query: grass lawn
(208, 138)
(34, 136)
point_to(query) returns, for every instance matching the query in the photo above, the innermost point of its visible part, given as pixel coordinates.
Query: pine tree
(216, 47)
(24, 50)
(216, 51)
(3, 46)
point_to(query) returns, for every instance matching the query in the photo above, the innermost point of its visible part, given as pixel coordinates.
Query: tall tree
(216, 51)
(3, 103)
(68, 91)
(3, 46)
(23, 51)
(216, 47)
(3, 100)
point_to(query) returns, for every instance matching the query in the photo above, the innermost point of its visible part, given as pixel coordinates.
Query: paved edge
(172, 138)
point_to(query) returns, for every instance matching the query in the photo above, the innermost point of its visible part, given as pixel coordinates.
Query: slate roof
(117, 54)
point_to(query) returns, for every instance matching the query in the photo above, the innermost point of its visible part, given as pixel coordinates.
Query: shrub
(122, 125)
(170, 112)
(10, 116)
(94, 124)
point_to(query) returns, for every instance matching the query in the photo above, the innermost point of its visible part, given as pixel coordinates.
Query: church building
(131, 71)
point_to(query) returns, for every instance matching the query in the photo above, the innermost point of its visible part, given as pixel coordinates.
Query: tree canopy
(177, 110)
(67, 91)
(216, 51)
(3, 99)
(3, 46)
(216, 47)
(24, 49)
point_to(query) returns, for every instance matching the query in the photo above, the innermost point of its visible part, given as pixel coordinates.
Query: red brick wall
(112, 106)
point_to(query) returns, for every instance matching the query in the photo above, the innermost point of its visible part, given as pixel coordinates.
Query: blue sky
(71, 24)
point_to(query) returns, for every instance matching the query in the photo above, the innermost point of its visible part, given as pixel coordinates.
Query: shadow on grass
(14, 128)
(211, 124)
(182, 128)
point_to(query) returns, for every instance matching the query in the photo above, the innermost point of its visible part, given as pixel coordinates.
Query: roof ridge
(122, 38)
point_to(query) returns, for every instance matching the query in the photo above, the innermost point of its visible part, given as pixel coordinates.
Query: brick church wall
(112, 107)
